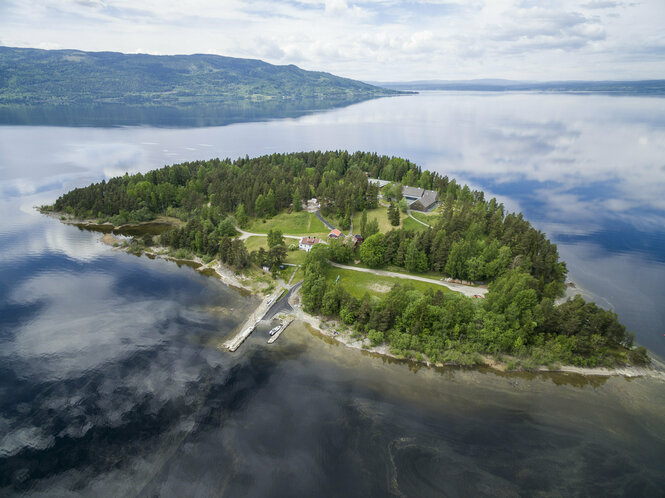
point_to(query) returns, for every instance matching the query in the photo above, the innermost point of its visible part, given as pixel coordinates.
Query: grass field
(295, 257)
(254, 243)
(411, 224)
(381, 215)
(357, 283)
(429, 218)
(302, 223)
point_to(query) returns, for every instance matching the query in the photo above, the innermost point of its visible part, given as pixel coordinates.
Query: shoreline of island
(332, 328)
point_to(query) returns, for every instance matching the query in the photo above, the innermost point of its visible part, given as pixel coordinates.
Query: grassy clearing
(300, 275)
(357, 283)
(302, 223)
(286, 273)
(429, 218)
(254, 243)
(295, 257)
(411, 224)
(381, 215)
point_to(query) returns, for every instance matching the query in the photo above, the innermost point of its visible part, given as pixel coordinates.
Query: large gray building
(420, 199)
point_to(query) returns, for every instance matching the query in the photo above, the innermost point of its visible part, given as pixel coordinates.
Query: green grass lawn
(254, 243)
(381, 215)
(295, 257)
(411, 224)
(357, 283)
(300, 275)
(429, 218)
(302, 223)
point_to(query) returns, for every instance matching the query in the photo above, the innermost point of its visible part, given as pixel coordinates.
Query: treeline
(473, 239)
(513, 319)
(206, 239)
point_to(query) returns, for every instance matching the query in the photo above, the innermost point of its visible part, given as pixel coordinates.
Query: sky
(372, 40)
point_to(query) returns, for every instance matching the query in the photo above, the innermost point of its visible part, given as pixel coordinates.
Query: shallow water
(110, 383)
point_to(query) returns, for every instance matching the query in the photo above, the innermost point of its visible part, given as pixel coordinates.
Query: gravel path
(467, 290)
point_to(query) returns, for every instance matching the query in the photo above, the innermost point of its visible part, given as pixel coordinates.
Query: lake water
(110, 383)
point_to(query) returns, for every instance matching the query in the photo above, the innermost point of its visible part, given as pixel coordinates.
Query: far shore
(339, 332)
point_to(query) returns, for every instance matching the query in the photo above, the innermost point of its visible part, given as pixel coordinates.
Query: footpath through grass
(302, 223)
(409, 223)
(381, 215)
(429, 218)
(357, 283)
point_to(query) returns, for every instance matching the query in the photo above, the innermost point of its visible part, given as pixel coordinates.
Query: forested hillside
(470, 238)
(72, 77)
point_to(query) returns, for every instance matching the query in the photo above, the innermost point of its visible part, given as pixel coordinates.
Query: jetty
(250, 324)
(285, 324)
(277, 302)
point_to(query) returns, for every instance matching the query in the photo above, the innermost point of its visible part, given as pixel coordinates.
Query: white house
(306, 243)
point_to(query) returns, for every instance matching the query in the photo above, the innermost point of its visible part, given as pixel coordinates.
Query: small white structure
(313, 203)
(379, 183)
(306, 243)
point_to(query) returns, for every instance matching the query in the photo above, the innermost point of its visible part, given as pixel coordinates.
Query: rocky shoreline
(342, 333)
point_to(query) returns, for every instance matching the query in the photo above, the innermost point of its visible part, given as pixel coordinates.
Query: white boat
(274, 330)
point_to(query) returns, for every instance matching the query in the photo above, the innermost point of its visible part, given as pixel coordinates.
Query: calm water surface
(110, 384)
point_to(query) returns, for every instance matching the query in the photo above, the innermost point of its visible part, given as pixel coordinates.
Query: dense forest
(472, 238)
(33, 77)
(515, 319)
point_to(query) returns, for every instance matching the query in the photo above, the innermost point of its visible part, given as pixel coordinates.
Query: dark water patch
(165, 116)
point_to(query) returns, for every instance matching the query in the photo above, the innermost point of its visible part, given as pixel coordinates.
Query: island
(392, 258)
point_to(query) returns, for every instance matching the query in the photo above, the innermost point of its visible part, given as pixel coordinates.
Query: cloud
(371, 39)
(599, 4)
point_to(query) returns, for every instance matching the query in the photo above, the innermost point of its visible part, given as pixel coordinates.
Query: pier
(265, 311)
(285, 324)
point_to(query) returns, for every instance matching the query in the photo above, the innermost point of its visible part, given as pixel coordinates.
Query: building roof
(310, 241)
(380, 183)
(428, 199)
(413, 192)
(334, 233)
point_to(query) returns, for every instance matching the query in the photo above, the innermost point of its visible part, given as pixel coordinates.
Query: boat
(274, 330)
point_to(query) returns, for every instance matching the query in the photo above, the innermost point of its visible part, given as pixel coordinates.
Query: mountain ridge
(34, 77)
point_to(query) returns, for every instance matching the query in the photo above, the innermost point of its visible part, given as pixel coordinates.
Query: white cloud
(373, 39)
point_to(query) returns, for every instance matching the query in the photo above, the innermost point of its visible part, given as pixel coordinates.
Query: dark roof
(426, 201)
(412, 192)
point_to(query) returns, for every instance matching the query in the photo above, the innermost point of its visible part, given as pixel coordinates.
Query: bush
(182, 254)
(639, 356)
(376, 337)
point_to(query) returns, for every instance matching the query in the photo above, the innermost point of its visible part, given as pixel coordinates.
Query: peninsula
(381, 248)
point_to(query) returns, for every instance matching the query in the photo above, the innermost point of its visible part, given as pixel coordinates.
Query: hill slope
(56, 77)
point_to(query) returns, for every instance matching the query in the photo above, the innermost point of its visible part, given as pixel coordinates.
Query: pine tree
(393, 214)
